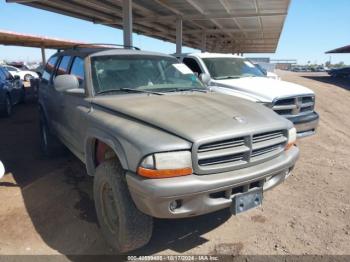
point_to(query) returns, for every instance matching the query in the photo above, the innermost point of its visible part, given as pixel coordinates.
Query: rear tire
(50, 145)
(124, 227)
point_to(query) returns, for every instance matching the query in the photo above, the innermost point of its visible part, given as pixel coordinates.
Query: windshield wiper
(226, 77)
(129, 90)
(203, 90)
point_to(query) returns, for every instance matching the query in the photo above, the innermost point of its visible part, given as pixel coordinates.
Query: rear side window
(78, 69)
(49, 68)
(63, 66)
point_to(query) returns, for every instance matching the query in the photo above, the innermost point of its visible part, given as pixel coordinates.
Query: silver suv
(157, 142)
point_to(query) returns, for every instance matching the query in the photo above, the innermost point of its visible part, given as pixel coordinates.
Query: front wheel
(124, 227)
(27, 77)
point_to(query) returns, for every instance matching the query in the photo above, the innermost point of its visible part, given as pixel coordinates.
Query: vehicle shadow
(68, 222)
(337, 81)
(57, 195)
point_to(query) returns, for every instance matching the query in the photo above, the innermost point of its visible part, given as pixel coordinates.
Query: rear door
(75, 107)
(57, 98)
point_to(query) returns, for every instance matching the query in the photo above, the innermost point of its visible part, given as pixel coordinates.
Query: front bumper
(305, 125)
(201, 194)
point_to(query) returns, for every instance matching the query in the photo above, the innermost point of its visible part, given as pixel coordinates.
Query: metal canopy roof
(244, 26)
(340, 50)
(17, 39)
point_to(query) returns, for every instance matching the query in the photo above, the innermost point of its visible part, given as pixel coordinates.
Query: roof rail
(96, 45)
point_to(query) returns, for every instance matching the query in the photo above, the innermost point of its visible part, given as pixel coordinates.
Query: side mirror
(205, 78)
(17, 77)
(66, 83)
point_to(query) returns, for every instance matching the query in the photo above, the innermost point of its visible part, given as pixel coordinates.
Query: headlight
(163, 165)
(292, 137)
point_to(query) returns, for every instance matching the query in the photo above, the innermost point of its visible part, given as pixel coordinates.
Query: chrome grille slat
(269, 143)
(263, 137)
(264, 151)
(221, 145)
(223, 152)
(284, 107)
(222, 160)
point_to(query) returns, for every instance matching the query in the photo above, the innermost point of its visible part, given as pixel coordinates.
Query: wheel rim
(109, 208)
(8, 106)
(27, 77)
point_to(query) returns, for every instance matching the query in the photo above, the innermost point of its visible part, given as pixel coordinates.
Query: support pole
(127, 22)
(204, 42)
(43, 55)
(179, 35)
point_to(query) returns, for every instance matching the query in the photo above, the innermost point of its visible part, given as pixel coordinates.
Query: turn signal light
(164, 173)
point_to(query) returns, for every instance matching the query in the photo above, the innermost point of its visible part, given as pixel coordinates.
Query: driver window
(78, 70)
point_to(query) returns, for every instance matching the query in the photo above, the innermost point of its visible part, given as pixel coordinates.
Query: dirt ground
(46, 205)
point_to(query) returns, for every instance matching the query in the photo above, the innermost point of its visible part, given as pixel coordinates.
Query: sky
(312, 27)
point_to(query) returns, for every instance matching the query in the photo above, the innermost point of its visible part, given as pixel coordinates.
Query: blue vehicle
(11, 92)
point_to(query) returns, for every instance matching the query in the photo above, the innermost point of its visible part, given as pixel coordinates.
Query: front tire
(124, 227)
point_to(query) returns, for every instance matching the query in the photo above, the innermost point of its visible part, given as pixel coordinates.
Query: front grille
(294, 106)
(241, 151)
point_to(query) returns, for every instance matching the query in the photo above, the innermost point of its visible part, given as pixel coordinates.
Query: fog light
(174, 205)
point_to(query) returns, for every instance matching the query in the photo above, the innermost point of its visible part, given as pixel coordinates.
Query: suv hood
(262, 88)
(195, 116)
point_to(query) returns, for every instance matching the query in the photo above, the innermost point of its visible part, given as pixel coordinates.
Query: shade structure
(227, 26)
(340, 50)
(28, 40)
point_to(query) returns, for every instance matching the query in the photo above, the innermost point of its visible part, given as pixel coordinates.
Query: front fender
(94, 134)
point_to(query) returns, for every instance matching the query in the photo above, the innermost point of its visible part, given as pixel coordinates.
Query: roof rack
(96, 45)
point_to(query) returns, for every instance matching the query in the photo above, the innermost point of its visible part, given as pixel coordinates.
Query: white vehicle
(2, 170)
(25, 75)
(237, 76)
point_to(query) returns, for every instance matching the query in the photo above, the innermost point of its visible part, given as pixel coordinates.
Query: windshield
(142, 73)
(231, 67)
